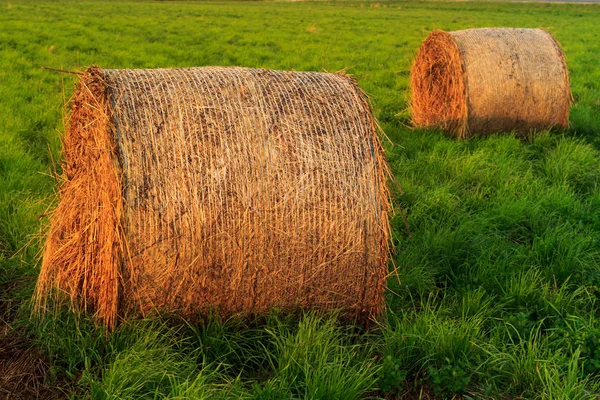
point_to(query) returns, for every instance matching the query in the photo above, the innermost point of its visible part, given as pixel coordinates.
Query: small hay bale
(481, 81)
(228, 190)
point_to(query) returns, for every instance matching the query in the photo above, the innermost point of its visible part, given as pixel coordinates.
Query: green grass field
(495, 295)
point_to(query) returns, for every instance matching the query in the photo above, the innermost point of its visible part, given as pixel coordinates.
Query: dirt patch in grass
(23, 370)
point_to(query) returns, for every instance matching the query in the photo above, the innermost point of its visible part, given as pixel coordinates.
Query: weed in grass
(392, 376)
(449, 379)
(581, 337)
(429, 341)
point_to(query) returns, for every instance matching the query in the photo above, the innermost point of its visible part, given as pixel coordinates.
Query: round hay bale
(481, 81)
(228, 190)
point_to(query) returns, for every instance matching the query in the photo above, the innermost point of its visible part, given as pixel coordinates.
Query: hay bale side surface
(231, 189)
(481, 81)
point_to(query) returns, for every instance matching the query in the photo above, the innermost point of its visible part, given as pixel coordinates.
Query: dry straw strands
(219, 189)
(480, 81)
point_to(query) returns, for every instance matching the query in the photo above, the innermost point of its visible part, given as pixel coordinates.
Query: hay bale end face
(208, 189)
(481, 81)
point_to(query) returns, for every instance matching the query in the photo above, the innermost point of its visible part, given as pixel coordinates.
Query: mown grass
(493, 296)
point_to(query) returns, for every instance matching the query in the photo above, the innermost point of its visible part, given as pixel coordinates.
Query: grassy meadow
(494, 295)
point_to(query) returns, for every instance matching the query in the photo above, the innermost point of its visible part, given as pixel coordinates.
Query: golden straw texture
(481, 81)
(240, 190)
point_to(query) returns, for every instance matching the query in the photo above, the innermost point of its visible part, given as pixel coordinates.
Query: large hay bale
(232, 190)
(481, 81)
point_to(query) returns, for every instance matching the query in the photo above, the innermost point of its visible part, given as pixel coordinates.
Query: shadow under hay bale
(481, 81)
(232, 190)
